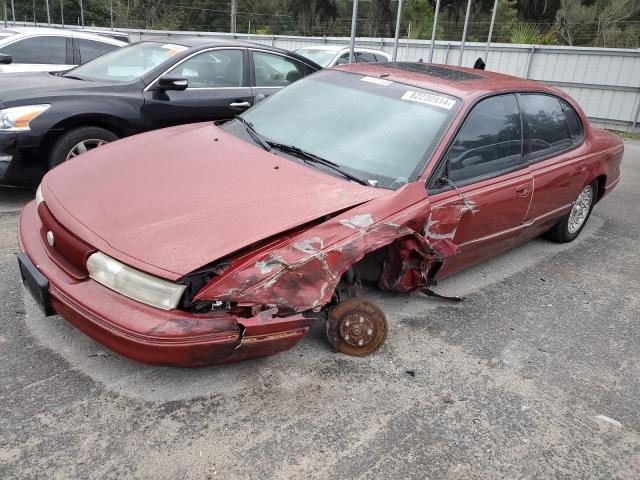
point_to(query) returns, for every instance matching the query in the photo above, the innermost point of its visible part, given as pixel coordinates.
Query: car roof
(192, 41)
(340, 48)
(37, 31)
(460, 82)
(205, 42)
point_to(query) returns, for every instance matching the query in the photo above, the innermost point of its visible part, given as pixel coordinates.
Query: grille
(435, 71)
(68, 251)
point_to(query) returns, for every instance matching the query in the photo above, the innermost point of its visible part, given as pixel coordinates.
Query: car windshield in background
(321, 57)
(127, 64)
(376, 129)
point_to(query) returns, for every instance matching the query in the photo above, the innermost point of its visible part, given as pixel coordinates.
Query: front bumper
(20, 162)
(150, 335)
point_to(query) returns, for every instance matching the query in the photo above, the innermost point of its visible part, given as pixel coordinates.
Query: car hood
(170, 201)
(22, 88)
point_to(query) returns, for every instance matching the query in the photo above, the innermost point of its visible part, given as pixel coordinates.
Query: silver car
(31, 49)
(329, 55)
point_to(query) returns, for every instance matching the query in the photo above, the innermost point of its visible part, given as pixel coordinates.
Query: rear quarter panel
(607, 152)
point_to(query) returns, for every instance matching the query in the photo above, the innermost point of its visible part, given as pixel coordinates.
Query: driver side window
(490, 141)
(213, 69)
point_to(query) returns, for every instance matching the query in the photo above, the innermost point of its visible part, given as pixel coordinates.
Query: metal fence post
(433, 31)
(13, 13)
(81, 14)
(34, 14)
(464, 31)
(233, 17)
(635, 119)
(4, 9)
(48, 14)
(493, 21)
(111, 12)
(62, 12)
(354, 21)
(446, 53)
(397, 36)
(530, 61)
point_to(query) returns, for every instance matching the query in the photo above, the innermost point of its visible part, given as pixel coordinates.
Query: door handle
(523, 190)
(239, 105)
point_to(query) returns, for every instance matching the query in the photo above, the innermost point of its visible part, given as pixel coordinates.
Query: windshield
(321, 57)
(128, 63)
(378, 130)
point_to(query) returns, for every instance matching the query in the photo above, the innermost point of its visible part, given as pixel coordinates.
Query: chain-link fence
(292, 17)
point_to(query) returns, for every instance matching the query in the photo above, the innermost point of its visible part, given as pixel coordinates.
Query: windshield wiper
(255, 135)
(72, 77)
(309, 157)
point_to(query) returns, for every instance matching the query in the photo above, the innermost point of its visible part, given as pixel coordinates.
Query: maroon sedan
(202, 244)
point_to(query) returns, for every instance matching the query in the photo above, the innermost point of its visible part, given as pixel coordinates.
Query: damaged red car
(202, 244)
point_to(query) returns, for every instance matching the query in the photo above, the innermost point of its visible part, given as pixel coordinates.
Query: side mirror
(259, 97)
(342, 61)
(172, 83)
(5, 59)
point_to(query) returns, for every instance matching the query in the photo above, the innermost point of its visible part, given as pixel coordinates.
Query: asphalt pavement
(535, 375)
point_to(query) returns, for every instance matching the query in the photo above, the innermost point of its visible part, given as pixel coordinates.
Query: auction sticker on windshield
(173, 49)
(429, 99)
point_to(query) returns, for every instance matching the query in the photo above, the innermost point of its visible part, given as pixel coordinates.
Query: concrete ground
(512, 383)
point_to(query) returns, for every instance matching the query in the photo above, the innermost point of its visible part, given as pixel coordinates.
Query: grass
(627, 135)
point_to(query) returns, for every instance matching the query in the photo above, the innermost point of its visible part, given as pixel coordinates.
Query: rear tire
(569, 227)
(77, 141)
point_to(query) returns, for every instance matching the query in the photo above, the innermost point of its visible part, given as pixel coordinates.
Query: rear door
(559, 170)
(218, 89)
(272, 71)
(484, 168)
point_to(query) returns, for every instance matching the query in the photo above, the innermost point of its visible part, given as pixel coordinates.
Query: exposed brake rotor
(356, 327)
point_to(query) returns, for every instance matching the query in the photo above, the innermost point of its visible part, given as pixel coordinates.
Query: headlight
(17, 118)
(39, 197)
(133, 283)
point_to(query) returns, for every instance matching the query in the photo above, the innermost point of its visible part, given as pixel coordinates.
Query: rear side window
(548, 128)
(90, 49)
(573, 120)
(490, 142)
(381, 58)
(275, 70)
(43, 50)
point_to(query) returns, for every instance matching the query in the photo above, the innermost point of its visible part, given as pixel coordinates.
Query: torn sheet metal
(302, 272)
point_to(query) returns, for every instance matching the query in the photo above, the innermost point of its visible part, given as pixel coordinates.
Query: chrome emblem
(50, 238)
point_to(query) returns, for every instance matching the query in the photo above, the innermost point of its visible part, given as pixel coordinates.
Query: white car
(329, 55)
(31, 49)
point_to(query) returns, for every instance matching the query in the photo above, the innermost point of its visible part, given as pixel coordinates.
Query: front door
(217, 89)
(486, 178)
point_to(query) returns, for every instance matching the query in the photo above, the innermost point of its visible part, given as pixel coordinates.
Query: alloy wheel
(85, 146)
(580, 210)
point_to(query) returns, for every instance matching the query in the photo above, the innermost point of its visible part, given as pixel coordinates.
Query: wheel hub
(356, 327)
